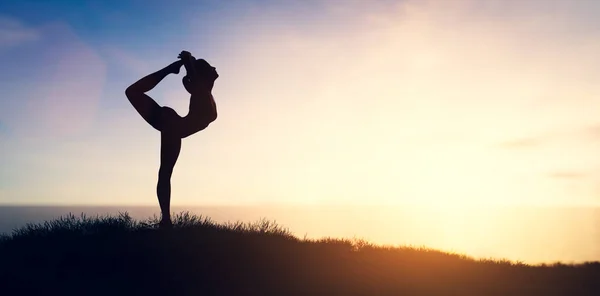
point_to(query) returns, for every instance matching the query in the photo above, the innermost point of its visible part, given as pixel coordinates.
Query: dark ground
(120, 256)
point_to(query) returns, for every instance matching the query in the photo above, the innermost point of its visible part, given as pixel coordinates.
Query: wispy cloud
(582, 133)
(3, 128)
(519, 143)
(61, 98)
(567, 175)
(592, 132)
(14, 33)
(127, 59)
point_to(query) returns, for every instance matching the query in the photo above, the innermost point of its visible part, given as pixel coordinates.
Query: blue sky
(433, 102)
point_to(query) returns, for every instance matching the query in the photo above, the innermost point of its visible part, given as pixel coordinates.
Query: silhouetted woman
(198, 82)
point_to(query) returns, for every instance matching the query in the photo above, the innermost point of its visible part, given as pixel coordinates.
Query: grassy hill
(116, 255)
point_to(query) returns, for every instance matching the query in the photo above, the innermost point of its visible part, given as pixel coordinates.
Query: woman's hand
(188, 61)
(185, 55)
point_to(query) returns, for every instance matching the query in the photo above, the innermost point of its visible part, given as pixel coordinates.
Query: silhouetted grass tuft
(71, 225)
(117, 255)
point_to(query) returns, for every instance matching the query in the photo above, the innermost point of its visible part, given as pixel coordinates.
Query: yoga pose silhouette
(199, 82)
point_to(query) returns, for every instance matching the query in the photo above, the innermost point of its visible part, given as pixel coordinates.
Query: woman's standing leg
(170, 146)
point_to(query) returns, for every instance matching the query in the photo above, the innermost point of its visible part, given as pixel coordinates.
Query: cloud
(14, 33)
(128, 60)
(521, 143)
(592, 131)
(4, 129)
(62, 96)
(579, 134)
(567, 175)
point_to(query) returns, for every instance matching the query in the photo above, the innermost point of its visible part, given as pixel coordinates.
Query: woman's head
(207, 75)
(205, 70)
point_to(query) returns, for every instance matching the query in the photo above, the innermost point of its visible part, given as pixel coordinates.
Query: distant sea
(528, 234)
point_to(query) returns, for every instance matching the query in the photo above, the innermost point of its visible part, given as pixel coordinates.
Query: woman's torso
(201, 113)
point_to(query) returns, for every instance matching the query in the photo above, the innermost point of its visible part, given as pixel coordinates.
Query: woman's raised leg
(144, 104)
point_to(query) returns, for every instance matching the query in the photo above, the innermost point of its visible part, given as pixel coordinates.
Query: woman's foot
(174, 67)
(165, 224)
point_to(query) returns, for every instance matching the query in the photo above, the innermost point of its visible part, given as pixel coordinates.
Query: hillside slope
(120, 256)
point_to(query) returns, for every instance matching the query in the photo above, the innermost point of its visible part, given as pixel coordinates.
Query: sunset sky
(452, 102)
